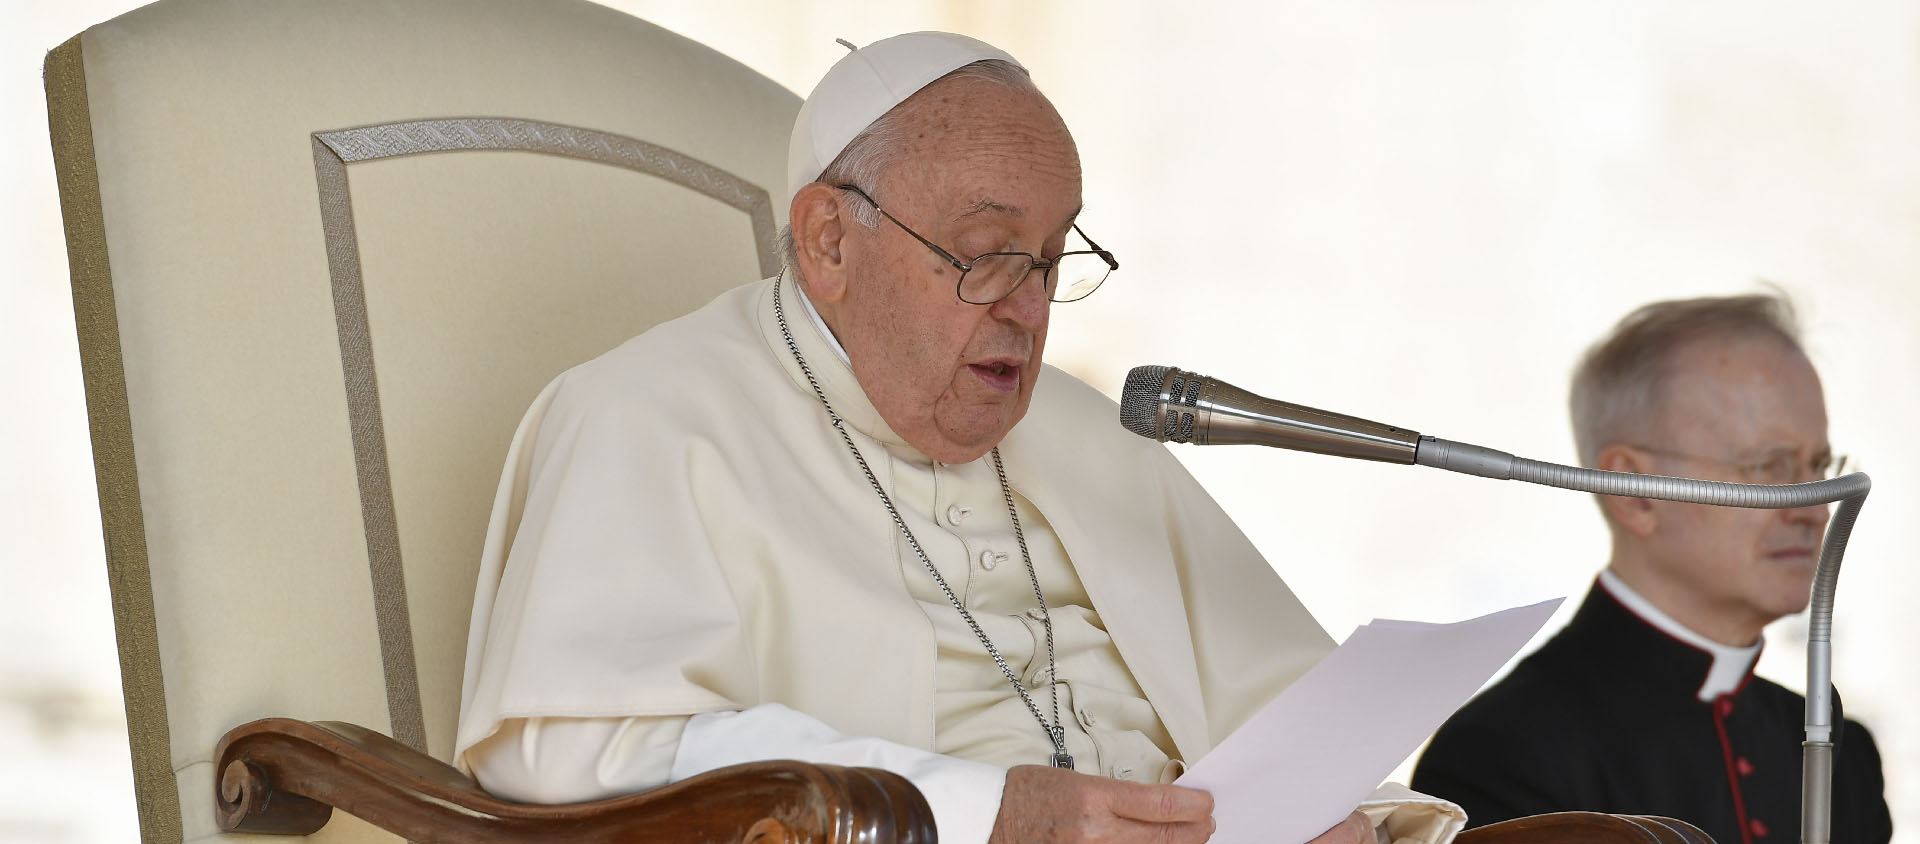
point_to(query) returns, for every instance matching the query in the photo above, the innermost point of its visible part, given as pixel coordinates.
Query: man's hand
(1356, 829)
(1042, 804)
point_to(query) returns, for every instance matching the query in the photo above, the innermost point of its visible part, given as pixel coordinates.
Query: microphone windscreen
(1158, 403)
(1140, 400)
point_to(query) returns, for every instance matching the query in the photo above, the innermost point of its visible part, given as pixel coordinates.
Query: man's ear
(819, 230)
(1636, 516)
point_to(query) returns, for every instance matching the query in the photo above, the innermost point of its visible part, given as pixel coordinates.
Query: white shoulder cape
(679, 531)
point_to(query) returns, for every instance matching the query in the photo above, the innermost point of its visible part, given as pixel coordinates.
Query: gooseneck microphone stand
(1816, 766)
(1167, 404)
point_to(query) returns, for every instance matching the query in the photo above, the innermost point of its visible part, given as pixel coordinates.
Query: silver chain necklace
(1055, 733)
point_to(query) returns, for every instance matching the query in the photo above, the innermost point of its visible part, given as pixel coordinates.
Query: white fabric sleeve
(1401, 815)
(964, 795)
(573, 760)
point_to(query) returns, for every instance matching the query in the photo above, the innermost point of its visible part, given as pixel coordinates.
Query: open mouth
(998, 375)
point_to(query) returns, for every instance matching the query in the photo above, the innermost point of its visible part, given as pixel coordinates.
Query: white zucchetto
(867, 83)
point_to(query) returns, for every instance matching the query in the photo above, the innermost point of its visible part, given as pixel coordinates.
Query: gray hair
(1617, 386)
(877, 147)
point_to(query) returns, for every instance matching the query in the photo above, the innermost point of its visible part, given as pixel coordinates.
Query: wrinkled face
(1740, 401)
(986, 169)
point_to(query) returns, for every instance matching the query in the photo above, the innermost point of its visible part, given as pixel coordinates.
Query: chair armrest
(282, 776)
(1586, 828)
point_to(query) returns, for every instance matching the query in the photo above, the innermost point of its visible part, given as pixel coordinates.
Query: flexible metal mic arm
(1163, 403)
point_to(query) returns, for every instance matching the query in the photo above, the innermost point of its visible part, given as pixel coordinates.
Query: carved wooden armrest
(1586, 828)
(282, 776)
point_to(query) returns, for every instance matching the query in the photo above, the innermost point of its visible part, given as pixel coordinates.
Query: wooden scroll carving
(1586, 828)
(282, 776)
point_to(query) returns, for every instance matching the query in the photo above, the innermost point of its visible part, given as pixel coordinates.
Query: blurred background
(1417, 213)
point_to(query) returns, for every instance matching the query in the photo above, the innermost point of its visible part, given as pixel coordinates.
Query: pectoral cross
(1061, 758)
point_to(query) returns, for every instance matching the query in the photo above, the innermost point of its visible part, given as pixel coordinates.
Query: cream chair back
(324, 253)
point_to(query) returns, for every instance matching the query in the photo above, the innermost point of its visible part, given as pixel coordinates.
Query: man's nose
(1815, 515)
(1028, 305)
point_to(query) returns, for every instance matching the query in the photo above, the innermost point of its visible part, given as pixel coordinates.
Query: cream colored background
(1418, 213)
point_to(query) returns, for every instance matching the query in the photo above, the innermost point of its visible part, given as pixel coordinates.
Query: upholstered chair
(324, 254)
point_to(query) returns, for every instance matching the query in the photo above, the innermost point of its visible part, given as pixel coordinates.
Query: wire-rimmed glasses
(1780, 466)
(988, 278)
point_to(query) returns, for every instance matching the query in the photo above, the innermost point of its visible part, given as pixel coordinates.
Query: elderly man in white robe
(846, 515)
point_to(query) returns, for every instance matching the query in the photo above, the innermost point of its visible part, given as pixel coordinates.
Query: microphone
(1167, 404)
(1173, 405)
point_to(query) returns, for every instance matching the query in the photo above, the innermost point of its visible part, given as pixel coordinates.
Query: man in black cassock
(1647, 703)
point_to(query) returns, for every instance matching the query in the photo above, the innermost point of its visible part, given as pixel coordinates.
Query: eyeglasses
(1778, 467)
(1068, 277)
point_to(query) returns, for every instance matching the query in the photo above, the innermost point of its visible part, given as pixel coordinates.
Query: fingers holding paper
(1356, 829)
(1042, 804)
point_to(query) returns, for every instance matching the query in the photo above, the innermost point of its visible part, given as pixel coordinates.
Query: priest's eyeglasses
(1781, 466)
(1068, 277)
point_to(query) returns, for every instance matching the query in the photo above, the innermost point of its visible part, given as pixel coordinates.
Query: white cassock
(686, 569)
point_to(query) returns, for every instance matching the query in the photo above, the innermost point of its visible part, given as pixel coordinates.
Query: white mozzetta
(680, 532)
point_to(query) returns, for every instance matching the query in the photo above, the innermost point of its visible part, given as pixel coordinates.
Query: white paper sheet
(1312, 754)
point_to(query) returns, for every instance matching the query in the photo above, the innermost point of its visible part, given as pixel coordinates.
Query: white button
(989, 559)
(957, 514)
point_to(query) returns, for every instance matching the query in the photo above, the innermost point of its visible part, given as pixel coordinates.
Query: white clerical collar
(1730, 664)
(807, 303)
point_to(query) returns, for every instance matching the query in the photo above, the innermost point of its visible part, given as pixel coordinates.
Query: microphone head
(1140, 400)
(1157, 402)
